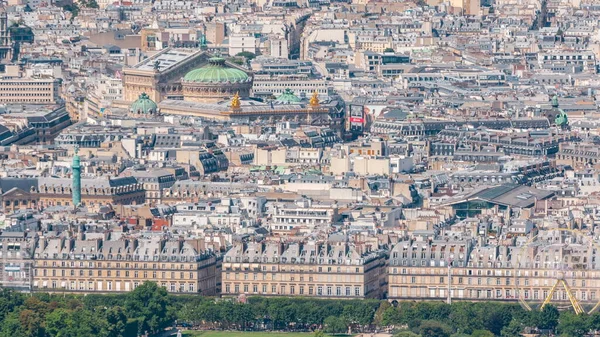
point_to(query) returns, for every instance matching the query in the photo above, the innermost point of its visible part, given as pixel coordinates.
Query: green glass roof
(143, 105)
(216, 71)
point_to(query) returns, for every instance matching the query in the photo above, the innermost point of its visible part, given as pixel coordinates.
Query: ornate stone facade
(45, 192)
(209, 92)
(162, 77)
(102, 265)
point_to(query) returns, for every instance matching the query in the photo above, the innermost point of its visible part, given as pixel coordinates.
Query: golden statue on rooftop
(235, 101)
(314, 100)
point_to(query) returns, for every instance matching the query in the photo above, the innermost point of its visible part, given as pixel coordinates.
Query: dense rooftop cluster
(441, 150)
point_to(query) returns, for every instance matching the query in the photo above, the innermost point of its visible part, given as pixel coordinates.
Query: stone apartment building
(313, 269)
(24, 193)
(155, 182)
(303, 213)
(418, 270)
(578, 155)
(29, 91)
(16, 259)
(98, 263)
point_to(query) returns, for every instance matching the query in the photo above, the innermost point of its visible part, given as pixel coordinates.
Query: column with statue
(76, 186)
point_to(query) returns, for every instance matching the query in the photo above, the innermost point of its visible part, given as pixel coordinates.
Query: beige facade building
(303, 215)
(215, 32)
(311, 269)
(96, 263)
(418, 270)
(364, 159)
(578, 155)
(286, 156)
(16, 258)
(299, 84)
(45, 192)
(29, 91)
(372, 165)
(468, 7)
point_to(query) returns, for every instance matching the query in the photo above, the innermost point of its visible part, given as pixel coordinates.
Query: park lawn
(243, 334)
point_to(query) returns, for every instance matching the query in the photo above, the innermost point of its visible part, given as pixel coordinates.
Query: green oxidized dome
(288, 97)
(216, 71)
(144, 105)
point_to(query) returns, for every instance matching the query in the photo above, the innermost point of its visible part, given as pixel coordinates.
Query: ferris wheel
(558, 266)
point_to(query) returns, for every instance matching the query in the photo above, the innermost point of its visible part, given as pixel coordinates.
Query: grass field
(243, 334)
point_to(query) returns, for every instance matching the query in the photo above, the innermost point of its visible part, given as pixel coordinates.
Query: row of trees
(45, 315)
(150, 308)
(483, 319)
(297, 314)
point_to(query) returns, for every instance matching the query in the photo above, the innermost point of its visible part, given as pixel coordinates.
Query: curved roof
(216, 71)
(288, 97)
(143, 105)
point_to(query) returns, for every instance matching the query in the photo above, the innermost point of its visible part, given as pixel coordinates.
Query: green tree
(11, 326)
(465, 316)
(494, 317)
(378, 319)
(79, 322)
(335, 325)
(594, 321)
(246, 54)
(9, 300)
(547, 318)
(513, 329)
(391, 316)
(31, 323)
(361, 313)
(57, 322)
(116, 322)
(482, 333)
(73, 8)
(406, 334)
(319, 333)
(434, 329)
(150, 302)
(91, 4)
(236, 60)
(242, 315)
(84, 323)
(573, 325)
(436, 311)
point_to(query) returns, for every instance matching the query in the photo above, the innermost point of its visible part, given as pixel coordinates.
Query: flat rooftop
(29, 110)
(166, 59)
